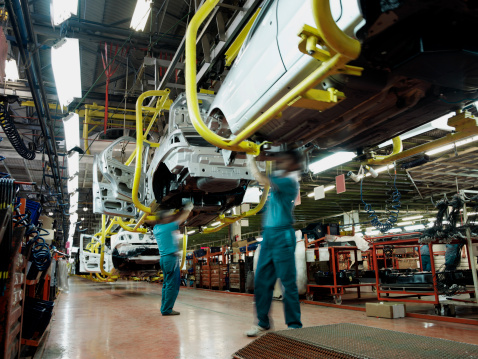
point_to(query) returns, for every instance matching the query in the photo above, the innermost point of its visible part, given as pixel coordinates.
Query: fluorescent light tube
(71, 127)
(395, 230)
(73, 218)
(191, 232)
(73, 164)
(414, 228)
(451, 146)
(72, 184)
(404, 223)
(61, 10)
(215, 224)
(439, 123)
(65, 62)
(410, 218)
(141, 14)
(331, 161)
(11, 70)
(328, 188)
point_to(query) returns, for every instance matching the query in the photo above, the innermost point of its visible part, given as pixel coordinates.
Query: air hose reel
(12, 134)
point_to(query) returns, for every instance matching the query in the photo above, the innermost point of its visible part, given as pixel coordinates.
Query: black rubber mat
(352, 341)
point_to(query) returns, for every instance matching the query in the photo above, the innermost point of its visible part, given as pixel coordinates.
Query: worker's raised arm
(182, 215)
(258, 175)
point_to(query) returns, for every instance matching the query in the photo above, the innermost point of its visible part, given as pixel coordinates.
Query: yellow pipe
(185, 243)
(191, 94)
(334, 38)
(326, 69)
(396, 149)
(450, 138)
(102, 237)
(226, 221)
(141, 220)
(129, 229)
(345, 47)
(139, 143)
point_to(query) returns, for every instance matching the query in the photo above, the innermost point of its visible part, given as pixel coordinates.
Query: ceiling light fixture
(440, 123)
(72, 184)
(191, 232)
(61, 10)
(215, 224)
(451, 146)
(11, 70)
(328, 188)
(71, 128)
(395, 230)
(404, 223)
(85, 209)
(141, 14)
(73, 164)
(414, 228)
(410, 218)
(50, 213)
(65, 62)
(331, 161)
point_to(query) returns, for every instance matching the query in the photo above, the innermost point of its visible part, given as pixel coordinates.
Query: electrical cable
(395, 205)
(341, 11)
(11, 132)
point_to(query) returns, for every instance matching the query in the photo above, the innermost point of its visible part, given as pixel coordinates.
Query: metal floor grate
(352, 341)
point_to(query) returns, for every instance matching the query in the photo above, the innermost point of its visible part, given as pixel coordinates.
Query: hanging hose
(395, 205)
(13, 136)
(40, 254)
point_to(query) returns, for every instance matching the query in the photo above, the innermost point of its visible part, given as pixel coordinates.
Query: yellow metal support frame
(466, 126)
(342, 50)
(162, 103)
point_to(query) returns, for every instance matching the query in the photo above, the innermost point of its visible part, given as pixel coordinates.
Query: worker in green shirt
(164, 230)
(277, 255)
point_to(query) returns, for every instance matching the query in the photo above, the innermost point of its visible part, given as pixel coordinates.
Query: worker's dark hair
(296, 157)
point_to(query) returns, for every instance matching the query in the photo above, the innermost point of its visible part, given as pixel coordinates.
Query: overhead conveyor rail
(342, 49)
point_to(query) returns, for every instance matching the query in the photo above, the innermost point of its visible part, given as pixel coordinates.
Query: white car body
(251, 85)
(90, 262)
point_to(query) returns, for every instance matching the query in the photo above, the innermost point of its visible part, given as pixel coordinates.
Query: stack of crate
(218, 275)
(237, 278)
(197, 275)
(206, 276)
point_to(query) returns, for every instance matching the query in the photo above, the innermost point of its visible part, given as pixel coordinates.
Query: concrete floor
(122, 320)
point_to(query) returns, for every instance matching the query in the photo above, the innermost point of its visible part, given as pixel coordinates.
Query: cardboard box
(365, 265)
(408, 263)
(242, 243)
(403, 250)
(385, 310)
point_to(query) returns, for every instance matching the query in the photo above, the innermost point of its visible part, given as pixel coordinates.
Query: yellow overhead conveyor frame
(162, 103)
(466, 125)
(342, 50)
(230, 220)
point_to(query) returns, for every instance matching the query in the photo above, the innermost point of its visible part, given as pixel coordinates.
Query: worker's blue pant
(426, 263)
(277, 260)
(171, 281)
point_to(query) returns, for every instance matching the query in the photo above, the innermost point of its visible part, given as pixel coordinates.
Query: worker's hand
(189, 206)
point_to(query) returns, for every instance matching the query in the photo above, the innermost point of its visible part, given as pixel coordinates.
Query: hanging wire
(393, 209)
